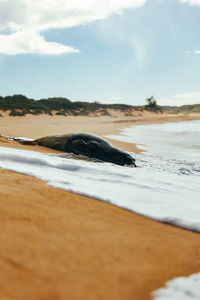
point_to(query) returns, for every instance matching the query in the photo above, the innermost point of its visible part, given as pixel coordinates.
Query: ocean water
(165, 186)
(173, 148)
(178, 140)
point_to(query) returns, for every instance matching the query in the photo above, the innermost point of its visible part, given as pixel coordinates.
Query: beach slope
(59, 245)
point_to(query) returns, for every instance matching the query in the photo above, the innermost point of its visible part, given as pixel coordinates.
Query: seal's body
(88, 145)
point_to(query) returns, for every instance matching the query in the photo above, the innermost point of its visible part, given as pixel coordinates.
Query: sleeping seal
(87, 145)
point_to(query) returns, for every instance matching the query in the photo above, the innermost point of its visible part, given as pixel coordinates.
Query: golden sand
(56, 245)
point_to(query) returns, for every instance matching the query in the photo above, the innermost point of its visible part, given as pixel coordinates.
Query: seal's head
(121, 158)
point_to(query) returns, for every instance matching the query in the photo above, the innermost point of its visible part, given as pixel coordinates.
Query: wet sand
(58, 245)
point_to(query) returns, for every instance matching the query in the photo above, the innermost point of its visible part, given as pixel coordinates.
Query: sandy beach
(58, 245)
(42, 125)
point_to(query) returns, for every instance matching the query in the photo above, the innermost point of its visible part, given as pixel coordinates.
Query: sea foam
(181, 288)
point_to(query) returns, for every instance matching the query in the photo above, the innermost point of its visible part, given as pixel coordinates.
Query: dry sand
(55, 245)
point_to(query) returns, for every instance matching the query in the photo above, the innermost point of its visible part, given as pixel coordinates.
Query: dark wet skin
(88, 145)
(98, 148)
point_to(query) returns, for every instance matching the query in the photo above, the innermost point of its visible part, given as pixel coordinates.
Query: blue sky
(118, 52)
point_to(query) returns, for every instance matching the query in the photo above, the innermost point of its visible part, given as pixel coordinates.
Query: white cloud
(28, 41)
(20, 17)
(181, 99)
(190, 54)
(191, 2)
(26, 19)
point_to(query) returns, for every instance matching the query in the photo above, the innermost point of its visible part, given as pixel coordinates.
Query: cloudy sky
(120, 51)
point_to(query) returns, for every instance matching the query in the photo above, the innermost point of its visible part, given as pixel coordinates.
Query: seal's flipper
(24, 142)
(28, 143)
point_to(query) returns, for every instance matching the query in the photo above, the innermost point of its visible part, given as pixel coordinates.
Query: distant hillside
(195, 108)
(20, 105)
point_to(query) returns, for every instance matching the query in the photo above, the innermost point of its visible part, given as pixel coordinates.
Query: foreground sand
(59, 245)
(55, 245)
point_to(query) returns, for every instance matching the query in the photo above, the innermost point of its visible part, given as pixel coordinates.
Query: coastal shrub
(75, 113)
(48, 112)
(14, 113)
(20, 105)
(34, 112)
(84, 113)
(104, 112)
(59, 104)
(196, 109)
(128, 114)
(152, 105)
(60, 113)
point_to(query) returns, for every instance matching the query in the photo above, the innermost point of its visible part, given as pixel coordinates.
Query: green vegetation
(20, 105)
(195, 108)
(15, 113)
(152, 105)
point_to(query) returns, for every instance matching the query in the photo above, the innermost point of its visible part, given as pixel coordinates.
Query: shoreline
(100, 250)
(43, 125)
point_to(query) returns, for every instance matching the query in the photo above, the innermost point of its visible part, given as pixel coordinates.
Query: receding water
(173, 148)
